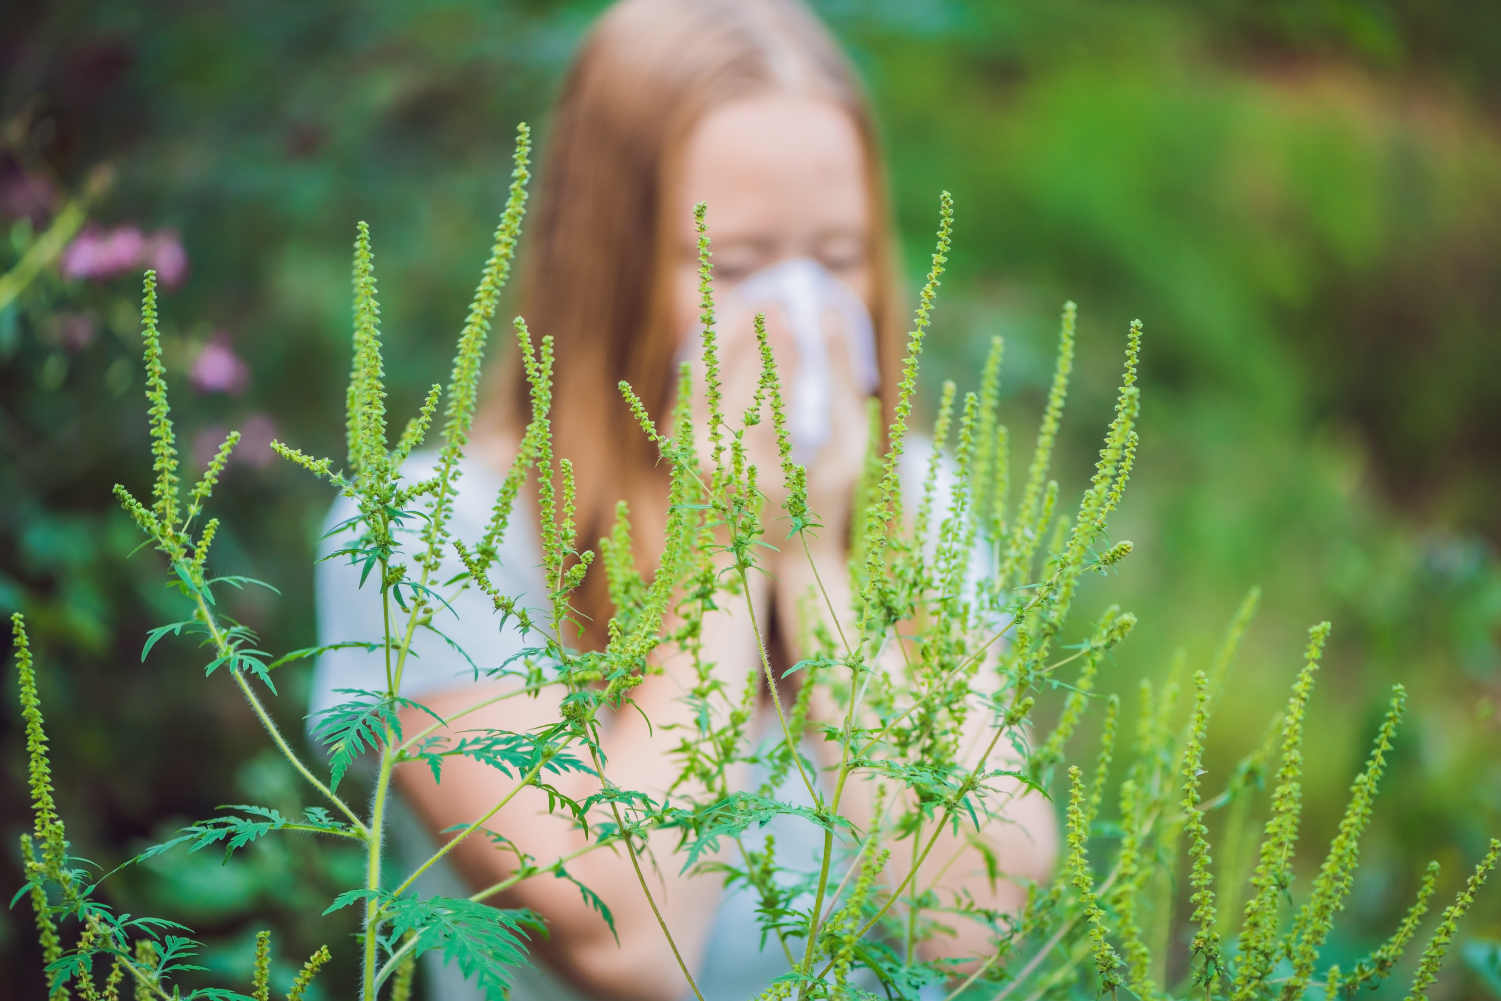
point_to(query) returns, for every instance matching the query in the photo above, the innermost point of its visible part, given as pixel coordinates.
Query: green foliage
(939, 640)
(1302, 197)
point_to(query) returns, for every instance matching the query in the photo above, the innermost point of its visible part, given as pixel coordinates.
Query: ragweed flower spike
(794, 475)
(1438, 945)
(161, 520)
(1206, 941)
(1089, 522)
(211, 475)
(1258, 946)
(1027, 530)
(310, 970)
(369, 461)
(1374, 968)
(957, 535)
(1103, 758)
(163, 445)
(941, 424)
(1332, 884)
(1106, 961)
(712, 394)
(48, 825)
(1127, 888)
(985, 438)
(416, 429)
(463, 382)
(1115, 554)
(260, 978)
(888, 506)
(540, 387)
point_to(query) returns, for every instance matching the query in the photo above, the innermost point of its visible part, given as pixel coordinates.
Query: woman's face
(784, 176)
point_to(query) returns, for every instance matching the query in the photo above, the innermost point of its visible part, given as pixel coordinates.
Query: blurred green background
(1302, 200)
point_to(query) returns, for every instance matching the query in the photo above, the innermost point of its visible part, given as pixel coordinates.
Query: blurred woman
(749, 106)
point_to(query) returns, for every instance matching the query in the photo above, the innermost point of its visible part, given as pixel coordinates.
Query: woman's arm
(638, 756)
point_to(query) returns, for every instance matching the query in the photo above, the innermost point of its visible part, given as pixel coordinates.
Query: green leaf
(592, 899)
(240, 582)
(731, 816)
(350, 728)
(509, 753)
(175, 628)
(485, 942)
(237, 832)
(318, 651)
(811, 662)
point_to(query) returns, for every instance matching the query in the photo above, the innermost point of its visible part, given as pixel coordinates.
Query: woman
(749, 106)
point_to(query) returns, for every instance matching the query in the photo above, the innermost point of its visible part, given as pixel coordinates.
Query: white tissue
(806, 291)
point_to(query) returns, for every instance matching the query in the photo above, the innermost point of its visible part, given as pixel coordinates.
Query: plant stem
(372, 871)
(526, 780)
(222, 647)
(813, 915)
(848, 652)
(771, 683)
(912, 885)
(512, 880)
(281, 743)
(385, 612)
(641, 877)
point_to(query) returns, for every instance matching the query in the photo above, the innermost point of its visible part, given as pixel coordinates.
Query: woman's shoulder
(475, 489)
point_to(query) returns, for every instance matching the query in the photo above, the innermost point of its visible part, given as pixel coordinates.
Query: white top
(734, 967)
(350, 613)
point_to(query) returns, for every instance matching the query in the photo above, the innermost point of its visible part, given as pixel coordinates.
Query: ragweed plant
(959, 610)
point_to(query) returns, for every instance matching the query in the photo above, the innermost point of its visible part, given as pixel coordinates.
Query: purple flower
(100, 254)
(217, 369)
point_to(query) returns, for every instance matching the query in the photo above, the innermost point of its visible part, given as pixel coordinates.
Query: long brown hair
(598, 256)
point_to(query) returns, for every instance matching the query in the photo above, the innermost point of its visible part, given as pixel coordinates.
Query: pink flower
(99, 254)
(217, 369)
